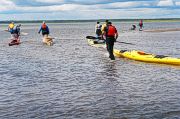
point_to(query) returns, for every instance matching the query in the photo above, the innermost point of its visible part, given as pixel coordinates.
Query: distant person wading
(15, 32)
(98, 30)
(45, 32)
(140, 25)
(44, 29)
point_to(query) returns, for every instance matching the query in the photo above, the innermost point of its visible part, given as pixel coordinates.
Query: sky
(88, 9)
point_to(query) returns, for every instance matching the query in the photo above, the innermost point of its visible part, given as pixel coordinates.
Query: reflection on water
(74, 80)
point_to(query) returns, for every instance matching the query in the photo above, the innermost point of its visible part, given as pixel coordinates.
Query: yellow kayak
(139, 55)
(147, 57)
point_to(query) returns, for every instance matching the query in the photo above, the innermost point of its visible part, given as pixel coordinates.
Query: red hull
(14, 42)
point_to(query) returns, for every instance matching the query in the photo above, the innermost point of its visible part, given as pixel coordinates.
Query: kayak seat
(142, 53)
(122, 51)
(160, 56)
(95, 42)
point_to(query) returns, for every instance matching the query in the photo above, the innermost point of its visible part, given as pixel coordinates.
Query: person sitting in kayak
(98, 30)
(140, 25)
(111, 35)
(133, 27)
(45, 30)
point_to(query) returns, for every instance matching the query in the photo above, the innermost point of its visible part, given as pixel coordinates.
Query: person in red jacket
(111, 35)
(140, 25)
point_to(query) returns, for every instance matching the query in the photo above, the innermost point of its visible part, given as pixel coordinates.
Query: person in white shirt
(98, 30)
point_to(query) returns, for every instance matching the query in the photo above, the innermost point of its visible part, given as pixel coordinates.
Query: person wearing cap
(44, 29)
(98, 30)
(111, 35)
(15, 33)
(45, 32)
(11, 27)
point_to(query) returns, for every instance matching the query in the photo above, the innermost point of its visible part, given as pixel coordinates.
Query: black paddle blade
(91, 37)
(125, 43)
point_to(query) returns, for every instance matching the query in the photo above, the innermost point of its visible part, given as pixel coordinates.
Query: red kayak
(14, 42)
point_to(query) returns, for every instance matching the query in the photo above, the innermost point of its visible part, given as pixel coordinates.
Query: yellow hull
(140, 56)
(146, 57)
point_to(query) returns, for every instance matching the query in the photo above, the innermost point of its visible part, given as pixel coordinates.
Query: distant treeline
(101, 20)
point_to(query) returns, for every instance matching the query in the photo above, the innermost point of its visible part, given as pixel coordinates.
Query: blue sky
(88, 9)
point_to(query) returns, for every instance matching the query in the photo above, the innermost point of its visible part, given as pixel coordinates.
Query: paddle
(21, 33)
(125, 43)
(92, 37)
(24, 33)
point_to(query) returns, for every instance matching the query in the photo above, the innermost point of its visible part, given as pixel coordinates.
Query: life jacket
(111, 31)
(103, 27)
(44, 26)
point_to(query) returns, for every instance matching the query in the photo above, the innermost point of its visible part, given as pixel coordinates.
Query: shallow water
(74, 80)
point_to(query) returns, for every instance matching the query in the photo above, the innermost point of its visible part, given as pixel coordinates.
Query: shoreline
(94, 20)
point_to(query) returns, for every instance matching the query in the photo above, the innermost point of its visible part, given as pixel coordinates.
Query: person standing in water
(140, 25)
(111, 35)
(45, 32)
(16, 33)
(44, 29)
(98, 30)
(11, 28)
(103, 28)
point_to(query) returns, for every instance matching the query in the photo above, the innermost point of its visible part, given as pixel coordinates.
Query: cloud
(82, 9)
(51, 1)
(177, 3)
(6, 5)
(165, 3)
(78, 7)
